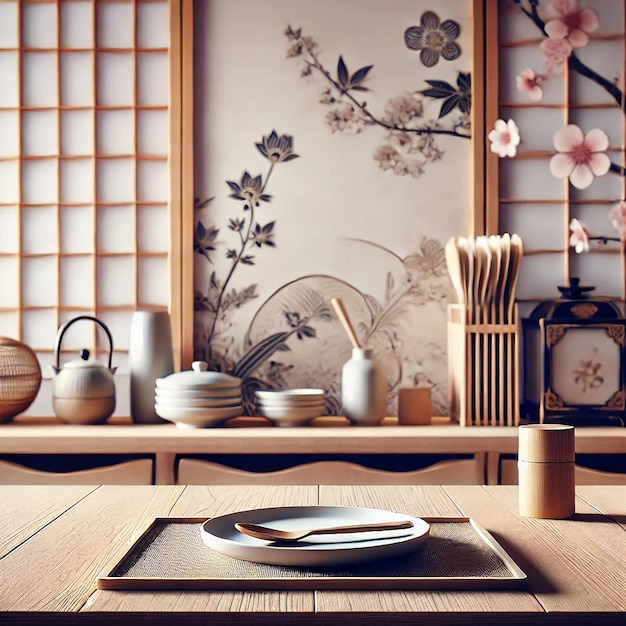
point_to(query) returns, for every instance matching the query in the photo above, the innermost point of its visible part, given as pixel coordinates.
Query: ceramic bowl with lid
(198, 398)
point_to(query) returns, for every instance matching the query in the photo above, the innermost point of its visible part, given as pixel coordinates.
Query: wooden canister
(546, 459)
(414, 406)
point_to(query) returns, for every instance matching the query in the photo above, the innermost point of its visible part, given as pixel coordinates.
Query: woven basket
(20, 377)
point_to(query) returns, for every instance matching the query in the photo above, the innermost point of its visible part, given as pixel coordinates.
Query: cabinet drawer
(134, 472)
(453, 472)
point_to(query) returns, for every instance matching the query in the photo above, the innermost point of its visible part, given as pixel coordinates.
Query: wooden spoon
(496, 261)
(345, 321)
(517, 252)
(272, 534)
(483, 255)
(453, 263)
(503, 343)
(468, 276)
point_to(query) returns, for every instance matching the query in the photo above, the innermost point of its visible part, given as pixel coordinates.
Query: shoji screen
(88, 184)
(585, 89)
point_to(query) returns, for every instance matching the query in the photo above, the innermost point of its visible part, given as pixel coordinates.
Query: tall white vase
(150, 356)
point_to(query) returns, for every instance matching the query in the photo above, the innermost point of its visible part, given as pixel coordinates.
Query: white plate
(184, 394)
(220, 534)
(197, 417)
(212, 403)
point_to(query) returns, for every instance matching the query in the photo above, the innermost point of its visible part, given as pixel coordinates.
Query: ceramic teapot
(83, 390)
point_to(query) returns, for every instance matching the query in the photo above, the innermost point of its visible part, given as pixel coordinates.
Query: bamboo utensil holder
(483, 370)
(547, 487)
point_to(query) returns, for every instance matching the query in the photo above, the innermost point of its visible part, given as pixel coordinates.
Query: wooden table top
(55, 542)
(250, 435)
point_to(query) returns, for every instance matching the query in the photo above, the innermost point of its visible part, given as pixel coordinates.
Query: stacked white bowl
(291, 407)
(197, 398)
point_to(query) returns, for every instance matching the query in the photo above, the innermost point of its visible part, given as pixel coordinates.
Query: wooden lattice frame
(136, 53)
(496, 107)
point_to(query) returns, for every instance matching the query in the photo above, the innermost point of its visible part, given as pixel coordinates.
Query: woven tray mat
(172, 555)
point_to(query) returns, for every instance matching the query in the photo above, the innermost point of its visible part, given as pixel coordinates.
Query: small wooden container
(414, 406)
(547, 487)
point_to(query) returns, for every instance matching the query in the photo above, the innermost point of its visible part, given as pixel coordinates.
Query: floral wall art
(333, 154)
(560, 142)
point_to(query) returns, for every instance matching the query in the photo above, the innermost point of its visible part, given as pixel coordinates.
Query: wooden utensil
(467, 248)
(342, 315)
(496, 262)
(483, 362)
(273, 534)
(517, 252)
(453, 263)
(480, 283)
(502, 319)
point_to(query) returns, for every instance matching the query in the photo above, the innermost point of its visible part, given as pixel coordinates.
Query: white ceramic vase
(150, 356)
(363, 389)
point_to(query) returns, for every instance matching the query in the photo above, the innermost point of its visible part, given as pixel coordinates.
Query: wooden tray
(459, 554)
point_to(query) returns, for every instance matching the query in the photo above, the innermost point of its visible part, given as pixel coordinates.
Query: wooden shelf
(254, 435)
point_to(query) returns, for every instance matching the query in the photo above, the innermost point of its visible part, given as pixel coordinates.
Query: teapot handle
(61, 332)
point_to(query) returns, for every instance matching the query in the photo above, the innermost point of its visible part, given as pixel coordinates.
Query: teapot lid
(198, 378)
(83, 362)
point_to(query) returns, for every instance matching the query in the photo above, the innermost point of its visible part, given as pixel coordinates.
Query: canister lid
(546, 443)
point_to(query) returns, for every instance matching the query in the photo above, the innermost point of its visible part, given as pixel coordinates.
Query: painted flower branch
(411, 141)
(579, 157)
(581, 237)
(250, 191)
(567, 29)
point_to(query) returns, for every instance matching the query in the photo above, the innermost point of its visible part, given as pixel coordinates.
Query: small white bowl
(290, 416)
(290, 402)
(193, 417)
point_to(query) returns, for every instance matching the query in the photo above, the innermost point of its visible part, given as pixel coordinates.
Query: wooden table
(55, 541)
(252, 435)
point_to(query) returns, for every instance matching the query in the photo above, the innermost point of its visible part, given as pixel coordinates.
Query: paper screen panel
(80, 188)
(529, 200)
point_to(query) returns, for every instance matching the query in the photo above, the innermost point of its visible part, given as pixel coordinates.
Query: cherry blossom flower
(434, 39)
(530, 83)
(504, 138)
(345, 117)
(618, 218)
(579, 157)
(554, 53)
(570, 22)
(579, 239)
(402, 109)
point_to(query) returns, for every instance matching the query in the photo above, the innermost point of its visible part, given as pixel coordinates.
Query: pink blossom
(554, 53)
(530, 83)
(579, 239)
(618, 218)
(580, 158)
(504, 138)
(571, 22)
